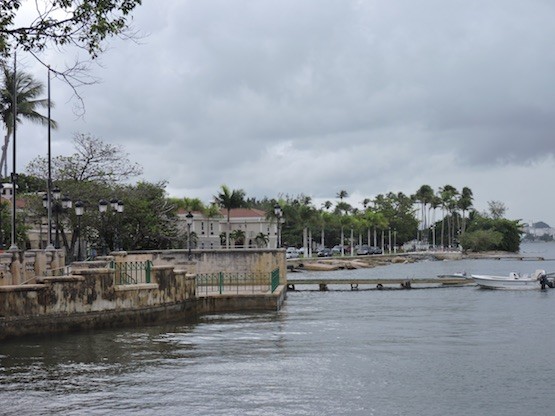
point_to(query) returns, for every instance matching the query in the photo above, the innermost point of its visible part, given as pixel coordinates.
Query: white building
(251, 222)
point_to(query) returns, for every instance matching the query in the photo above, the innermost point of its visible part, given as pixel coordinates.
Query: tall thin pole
(49, 181)
(13, 247)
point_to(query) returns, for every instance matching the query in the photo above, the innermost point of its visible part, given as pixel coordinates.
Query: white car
(291, 253)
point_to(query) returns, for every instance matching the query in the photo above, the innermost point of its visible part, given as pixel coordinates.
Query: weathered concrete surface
(241, 302)
(91, 300)
(89, 297)
(256, 261)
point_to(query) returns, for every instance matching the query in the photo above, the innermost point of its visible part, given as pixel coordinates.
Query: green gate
(131, 272)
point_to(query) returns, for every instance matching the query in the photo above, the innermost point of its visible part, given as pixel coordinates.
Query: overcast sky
(283, 97)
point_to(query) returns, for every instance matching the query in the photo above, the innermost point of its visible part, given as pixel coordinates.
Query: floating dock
(378, 283)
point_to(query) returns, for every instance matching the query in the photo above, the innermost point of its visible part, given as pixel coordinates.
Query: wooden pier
(379, 283)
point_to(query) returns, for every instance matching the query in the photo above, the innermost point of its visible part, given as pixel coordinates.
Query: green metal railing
(131, 272)
(274, 280)
(220, 283)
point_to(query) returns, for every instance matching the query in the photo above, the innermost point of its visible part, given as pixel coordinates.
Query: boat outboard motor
(544, 282)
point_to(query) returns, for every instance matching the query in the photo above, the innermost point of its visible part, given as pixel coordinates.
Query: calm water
(451, 351)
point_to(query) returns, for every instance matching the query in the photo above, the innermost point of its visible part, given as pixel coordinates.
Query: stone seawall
(89, 299)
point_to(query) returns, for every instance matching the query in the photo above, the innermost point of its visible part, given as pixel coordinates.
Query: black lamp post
(102, 208)
(79, 211)
(1, 230)
(117, 206)
(278, 213)
(189, 217)
(59, 206)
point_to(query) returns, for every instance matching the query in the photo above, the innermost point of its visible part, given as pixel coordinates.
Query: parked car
(337, 249)
(363, 250)
(291, 253)
(375, 250)
(325, 252)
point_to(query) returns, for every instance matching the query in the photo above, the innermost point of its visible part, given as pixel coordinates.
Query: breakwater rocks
(361, 262)
(348, 263)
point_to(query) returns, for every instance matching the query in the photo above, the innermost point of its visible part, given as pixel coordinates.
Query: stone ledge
(57, 279)
(22, 288)
(140, 286)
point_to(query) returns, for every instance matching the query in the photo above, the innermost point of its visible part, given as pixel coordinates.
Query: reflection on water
(455, 351)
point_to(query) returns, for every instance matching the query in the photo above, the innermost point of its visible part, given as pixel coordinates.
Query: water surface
(451, 351)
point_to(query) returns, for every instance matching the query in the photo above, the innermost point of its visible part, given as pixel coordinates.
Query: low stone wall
(89, 299)
(256, 261)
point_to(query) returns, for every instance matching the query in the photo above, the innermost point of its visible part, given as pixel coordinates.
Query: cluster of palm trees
(387, 220)
(454, 206)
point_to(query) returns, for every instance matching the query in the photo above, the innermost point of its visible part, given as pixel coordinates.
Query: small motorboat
(512, 281)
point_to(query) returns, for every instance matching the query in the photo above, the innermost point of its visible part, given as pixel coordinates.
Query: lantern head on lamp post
(278, 213)
(189, 218)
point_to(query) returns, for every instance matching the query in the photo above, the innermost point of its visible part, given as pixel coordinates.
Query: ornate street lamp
(102, 208)
(79, 211)
(117, 206)
(189, 218)
(278, 213)
(119, 210)
(58, 207)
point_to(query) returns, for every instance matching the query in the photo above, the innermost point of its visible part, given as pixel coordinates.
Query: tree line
(100, 171)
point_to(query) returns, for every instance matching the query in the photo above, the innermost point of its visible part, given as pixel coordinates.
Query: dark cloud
(316, 96)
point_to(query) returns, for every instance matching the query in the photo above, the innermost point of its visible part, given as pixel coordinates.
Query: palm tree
(448, 195)
(424, 196)
(342, 194)
(238, 237)
(27, 90)
(229, 199)
(261, 240)
(464, 203)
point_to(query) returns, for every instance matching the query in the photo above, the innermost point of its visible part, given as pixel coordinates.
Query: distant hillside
(540, 224)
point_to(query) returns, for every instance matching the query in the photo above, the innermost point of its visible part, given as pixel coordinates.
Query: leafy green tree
(502, 234)
(481, 240)
(93, 161)
(27, 104)
(149, 220)
(84, 24)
